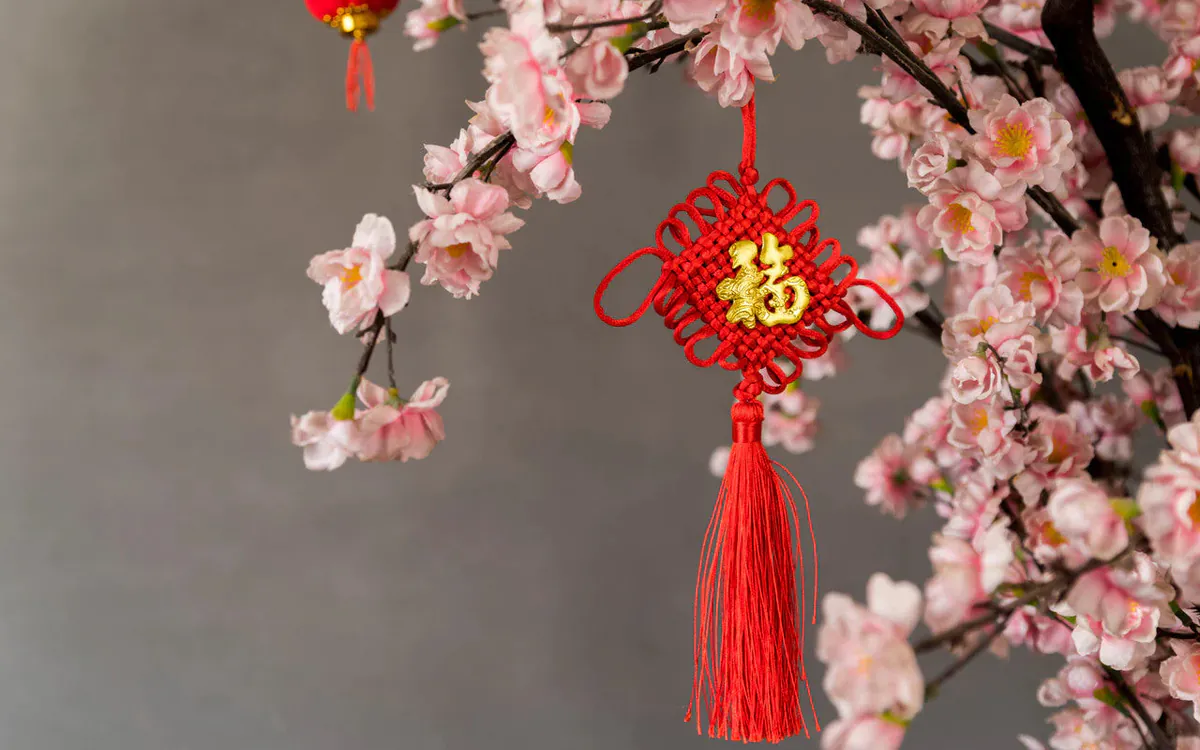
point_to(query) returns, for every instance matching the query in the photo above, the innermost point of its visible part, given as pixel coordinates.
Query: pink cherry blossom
(720, 71)
(461, 240)
(392, 429)
(426, 23)
(1023, 143)
(982, 426)
(688, 15)
(753, 28)
(1078, 681)
(863, 733)
(973, 507)
(1109, 422)
(1118, 610)
(1082, 512)
(1150, 92)
(969, 212)
(895, 125)
(1094, 354)
(528, 91)
(928, 426)
(443, 163)
(993, 317)
(1057, 451)
(930, 161)
(944, 59)
(327, 441)
(1184, 146)
(871, 668)
(901, 277)
(1021, 17)
(1181, 673)
(1076, 729)
(964, 574)
(551, 171)
(1042, 271)
(892, 476)
(1157, 396)
(1170, 502)
(936, 17)
(964, 282)
(1180, 18)
(1180, 302)
(1045, 635)
(357, 282)
(1122, 270)
(597, 70)
(790, 420)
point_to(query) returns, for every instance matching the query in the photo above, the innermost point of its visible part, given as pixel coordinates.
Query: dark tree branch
(1070, 26)
(1036, 53)
(1160, 739)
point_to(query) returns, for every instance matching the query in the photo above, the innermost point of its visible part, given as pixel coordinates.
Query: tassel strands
(749, 623)
(355, 21)
(360, 76)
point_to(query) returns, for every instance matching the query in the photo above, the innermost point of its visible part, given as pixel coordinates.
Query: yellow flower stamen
(1113, 264)
(960, 218)
(351, 276)
(978, 421)
(761, 10)
(456, 251)
(1014, 140)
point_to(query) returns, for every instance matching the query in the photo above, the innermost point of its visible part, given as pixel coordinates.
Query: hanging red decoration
(768, 297)
(356, 21)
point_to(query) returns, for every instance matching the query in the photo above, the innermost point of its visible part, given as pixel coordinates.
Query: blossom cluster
(1058, 311)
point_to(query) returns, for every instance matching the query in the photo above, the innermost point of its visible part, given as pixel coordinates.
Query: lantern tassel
(749, 627)
(360, 76)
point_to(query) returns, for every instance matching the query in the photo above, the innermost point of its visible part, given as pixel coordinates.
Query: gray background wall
(170, 575)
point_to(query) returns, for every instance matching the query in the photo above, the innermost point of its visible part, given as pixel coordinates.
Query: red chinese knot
(723, 212)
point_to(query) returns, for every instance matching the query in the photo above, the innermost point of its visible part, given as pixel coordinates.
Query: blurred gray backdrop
(172, 578)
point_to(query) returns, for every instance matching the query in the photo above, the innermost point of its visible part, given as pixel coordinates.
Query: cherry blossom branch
(932, 687)
(879, 32)
(1034, 52)
(1055, 587)
(475, 16)
(1131, 699)
(490, 155)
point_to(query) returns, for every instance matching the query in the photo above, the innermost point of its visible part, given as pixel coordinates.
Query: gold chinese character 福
(758, 295)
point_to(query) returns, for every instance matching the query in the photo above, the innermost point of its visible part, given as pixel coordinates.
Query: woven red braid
(703, 228)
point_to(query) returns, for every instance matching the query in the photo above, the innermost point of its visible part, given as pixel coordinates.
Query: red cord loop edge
(598, 300)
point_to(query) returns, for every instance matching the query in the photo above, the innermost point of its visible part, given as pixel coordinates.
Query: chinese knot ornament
(356, 21)
(763, 289)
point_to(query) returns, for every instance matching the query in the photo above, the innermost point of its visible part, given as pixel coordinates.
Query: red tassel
(360, 75)
(749, 631)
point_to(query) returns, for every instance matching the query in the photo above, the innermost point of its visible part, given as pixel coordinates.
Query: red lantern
(355, 20)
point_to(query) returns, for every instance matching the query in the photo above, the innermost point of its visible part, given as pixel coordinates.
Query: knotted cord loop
(663, 276)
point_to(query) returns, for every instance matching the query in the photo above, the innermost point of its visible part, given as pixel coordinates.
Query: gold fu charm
(749, 290)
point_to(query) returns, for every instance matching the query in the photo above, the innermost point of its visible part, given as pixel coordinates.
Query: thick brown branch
(1070, 26)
